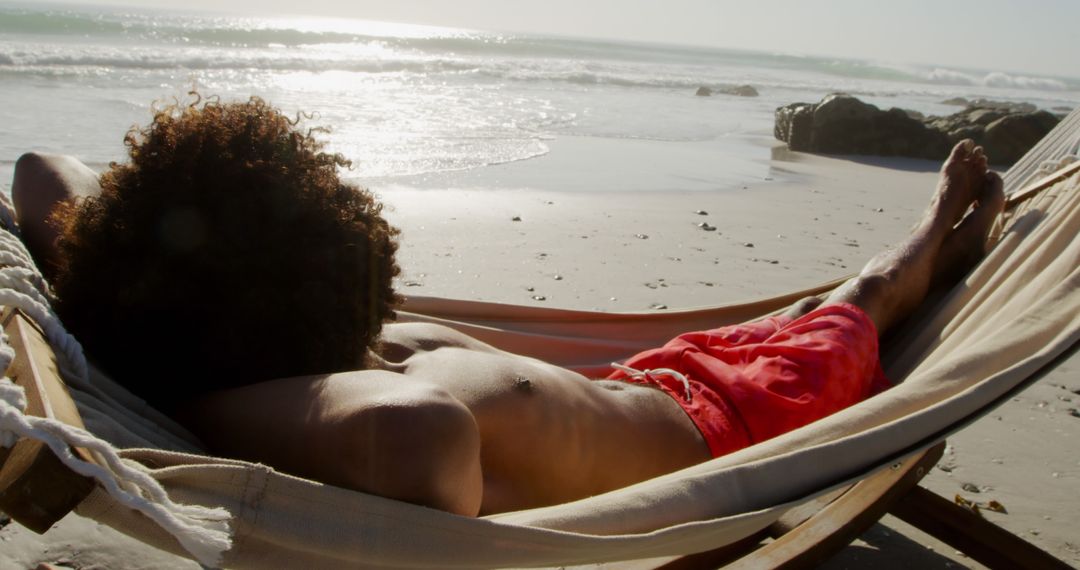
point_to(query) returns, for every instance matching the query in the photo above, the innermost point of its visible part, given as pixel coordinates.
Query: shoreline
(599, 164)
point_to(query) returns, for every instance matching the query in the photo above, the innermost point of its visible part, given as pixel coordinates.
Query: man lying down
(227, 275)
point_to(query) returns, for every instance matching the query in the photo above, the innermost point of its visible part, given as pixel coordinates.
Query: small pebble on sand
(748, 244)
(515, 219)
(539, 298)
(701, 213)
(641, 236)
(707, 226)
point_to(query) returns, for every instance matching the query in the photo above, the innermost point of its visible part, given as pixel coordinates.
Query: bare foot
(967, 244)
(963, 175)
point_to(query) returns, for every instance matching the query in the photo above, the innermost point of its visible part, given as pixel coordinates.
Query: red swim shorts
(754, 381)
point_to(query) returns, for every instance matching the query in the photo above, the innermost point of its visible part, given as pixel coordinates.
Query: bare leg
(896, 281)
(41, 183)
(803, 306)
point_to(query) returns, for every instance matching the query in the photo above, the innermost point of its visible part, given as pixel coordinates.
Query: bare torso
(547, 435)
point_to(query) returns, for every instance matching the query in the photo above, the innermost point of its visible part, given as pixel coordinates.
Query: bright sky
(1026, 36)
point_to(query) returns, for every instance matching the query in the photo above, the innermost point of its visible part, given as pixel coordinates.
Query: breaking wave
(169, 40)
(995, 79)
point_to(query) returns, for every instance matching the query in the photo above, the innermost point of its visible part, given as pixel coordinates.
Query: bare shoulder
(371, 430)
(252, 421)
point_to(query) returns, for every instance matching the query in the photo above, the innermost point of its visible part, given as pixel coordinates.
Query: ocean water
(409, 102)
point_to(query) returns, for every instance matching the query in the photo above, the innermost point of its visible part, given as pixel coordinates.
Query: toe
(993, 194)
(962, 149)
(978, 154)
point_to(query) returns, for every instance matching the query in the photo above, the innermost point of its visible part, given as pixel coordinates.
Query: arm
(41, 183)
(371, 431)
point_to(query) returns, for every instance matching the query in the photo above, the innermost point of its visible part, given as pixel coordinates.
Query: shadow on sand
(781, 153)
(883, 548)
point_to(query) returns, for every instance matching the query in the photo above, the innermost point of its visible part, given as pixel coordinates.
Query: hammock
(964, 353)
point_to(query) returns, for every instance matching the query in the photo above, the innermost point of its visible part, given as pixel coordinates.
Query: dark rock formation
(1010, 137)
(794, 123)
(841, 124)
(739, 90)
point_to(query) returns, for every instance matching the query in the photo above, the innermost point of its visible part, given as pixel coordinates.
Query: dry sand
(807, 220)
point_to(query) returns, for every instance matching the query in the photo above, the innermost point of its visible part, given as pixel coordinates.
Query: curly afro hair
(225, 252)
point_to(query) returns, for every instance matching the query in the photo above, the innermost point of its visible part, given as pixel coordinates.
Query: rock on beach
(737, 90)
(842, 124)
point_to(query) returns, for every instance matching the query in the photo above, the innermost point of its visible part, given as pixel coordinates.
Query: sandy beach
(804, 220)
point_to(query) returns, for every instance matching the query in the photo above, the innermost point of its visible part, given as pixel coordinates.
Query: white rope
(7, 215)
(647, 376)
(204, 532)
(10, 394)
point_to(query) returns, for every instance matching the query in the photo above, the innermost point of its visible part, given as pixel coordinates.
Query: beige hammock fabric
(966, 352)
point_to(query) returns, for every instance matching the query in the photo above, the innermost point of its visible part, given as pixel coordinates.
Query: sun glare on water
(371, 28)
